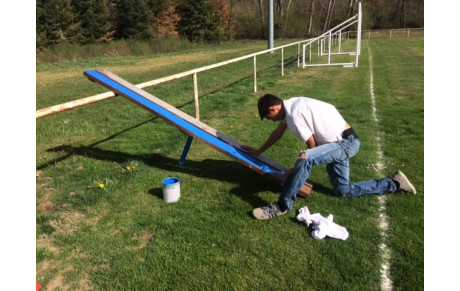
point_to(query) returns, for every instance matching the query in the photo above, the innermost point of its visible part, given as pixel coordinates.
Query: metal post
(282, 61)
(329, 48)
(298, 55)
(303, 55)
(322, 41)
(195, 95)
(270, 25)
(358, 37)
(185, 151)
(255, 75)
(340, 41)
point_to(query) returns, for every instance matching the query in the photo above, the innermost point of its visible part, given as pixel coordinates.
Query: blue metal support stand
(185, 151)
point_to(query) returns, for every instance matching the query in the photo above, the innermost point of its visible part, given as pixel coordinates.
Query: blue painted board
(181, 123)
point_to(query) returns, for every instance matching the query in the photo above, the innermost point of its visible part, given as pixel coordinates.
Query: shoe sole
(259, 212)
(409, 183)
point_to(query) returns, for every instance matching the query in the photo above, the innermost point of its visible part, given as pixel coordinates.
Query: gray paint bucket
(171, 189)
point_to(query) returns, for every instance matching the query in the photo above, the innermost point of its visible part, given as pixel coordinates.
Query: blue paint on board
(232, 151)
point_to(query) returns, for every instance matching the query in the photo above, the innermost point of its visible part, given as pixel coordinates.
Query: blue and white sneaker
(268, 212)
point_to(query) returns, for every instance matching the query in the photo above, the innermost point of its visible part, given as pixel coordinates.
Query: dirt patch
(42, 185)
(57, 284)
(42, 267)
(44, 241)
(143, 239)
(58, 277)
(68, 222)
(42, 182)
(84, 284)
(45, 205)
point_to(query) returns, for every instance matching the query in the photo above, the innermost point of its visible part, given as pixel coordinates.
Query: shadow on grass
(220, 170)
(249, 182)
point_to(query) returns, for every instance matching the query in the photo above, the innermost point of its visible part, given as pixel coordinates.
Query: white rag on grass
(322, 226)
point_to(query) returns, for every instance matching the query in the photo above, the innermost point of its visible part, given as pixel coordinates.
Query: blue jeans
(336, 155)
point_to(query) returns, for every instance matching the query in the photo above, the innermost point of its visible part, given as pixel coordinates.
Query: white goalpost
(333, 36)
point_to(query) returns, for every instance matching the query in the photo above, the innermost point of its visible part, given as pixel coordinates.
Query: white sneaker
(268, 212)
(404, 183)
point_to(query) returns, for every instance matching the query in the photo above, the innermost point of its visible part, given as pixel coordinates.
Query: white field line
(386, 283)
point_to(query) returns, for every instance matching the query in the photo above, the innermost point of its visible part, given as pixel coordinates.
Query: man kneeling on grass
(330, 140)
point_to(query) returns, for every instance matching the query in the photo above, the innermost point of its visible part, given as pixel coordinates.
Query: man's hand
(250, 150)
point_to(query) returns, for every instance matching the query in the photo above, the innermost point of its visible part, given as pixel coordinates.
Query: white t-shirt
(307, 116)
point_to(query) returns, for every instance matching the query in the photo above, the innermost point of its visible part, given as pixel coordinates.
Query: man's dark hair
(265, 102)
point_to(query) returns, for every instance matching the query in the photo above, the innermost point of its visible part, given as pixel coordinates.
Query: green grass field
(125, 237)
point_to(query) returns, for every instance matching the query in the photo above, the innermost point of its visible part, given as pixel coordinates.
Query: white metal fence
(392, 33)
(334, 35)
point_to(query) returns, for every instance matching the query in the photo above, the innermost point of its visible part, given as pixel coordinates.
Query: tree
(86, 21)
(261, 9)
(165, 23)
(222, 16)
(93, 18)
(199, 21)
(312, 12)
(165, 17)
(41, 27)
(280, 7)
(55, 22)
(133, 19)
(159, 6)
(330, 10)
(194, 19)
(286, 13)
(350, 8)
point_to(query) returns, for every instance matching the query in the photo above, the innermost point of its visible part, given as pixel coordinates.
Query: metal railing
(393, 33)
(99, 97)
(335, 34)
